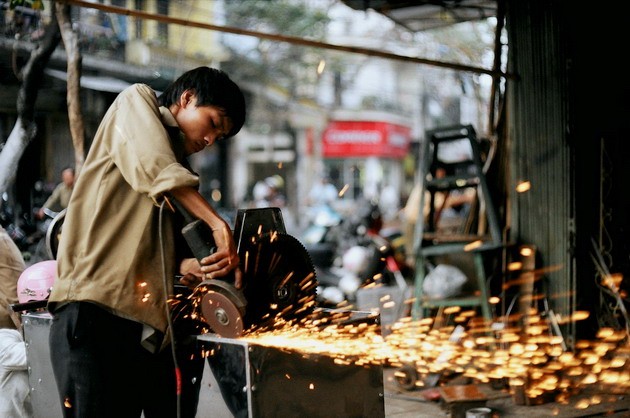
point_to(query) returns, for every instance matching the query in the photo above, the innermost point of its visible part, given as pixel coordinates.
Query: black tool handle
(29, 306)
(199, 237)
(197, 233)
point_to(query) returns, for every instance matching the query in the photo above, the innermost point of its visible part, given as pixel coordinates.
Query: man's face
(202, 126)
(67, 176)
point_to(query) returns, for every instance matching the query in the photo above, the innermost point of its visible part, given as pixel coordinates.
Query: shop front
(365, 157)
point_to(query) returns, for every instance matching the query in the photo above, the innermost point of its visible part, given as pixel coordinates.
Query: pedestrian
(60, 196)
(14, 388)
(112, 347)
(268, 192)
(260, 193)
(276, 197)
(323, 193)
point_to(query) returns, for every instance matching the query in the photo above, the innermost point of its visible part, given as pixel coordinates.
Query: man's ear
(188, 97)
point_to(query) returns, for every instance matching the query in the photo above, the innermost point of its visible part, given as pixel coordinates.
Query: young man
(110, 337)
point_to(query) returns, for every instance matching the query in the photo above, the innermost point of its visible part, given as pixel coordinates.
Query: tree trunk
(25, 127)
(73, 96)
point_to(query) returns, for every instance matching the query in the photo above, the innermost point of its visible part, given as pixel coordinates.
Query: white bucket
(479, 413)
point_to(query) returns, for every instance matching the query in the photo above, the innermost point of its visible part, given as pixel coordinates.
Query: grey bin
(44, 395)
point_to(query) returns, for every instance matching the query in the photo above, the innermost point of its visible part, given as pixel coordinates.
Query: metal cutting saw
(279, 280)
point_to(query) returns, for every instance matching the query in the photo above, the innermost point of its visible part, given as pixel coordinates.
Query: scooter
(351, 253)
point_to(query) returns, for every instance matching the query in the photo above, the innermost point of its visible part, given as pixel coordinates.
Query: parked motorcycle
(351, 252)
(28, 232)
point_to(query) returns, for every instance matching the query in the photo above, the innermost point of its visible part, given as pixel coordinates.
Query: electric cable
(178, 376)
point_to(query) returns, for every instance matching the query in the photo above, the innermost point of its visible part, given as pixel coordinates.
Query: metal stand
(465, 172)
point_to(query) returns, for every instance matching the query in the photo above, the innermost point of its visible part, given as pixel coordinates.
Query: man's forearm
(194, 202)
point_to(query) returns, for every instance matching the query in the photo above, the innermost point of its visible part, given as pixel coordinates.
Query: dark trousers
(102, 370)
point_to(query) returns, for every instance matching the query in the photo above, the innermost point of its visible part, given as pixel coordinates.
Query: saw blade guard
(279, 279)
(279, 282)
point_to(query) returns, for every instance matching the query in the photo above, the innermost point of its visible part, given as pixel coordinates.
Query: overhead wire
(289, 39)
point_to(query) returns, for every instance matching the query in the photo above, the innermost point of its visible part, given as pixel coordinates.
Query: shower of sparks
(525, 350)
(529, 357)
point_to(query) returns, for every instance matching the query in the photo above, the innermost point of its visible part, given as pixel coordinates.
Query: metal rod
(283, 38)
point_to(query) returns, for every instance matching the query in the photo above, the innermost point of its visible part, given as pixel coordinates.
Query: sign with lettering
(365, 139)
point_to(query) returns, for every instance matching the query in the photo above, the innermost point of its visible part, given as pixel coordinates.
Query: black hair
(212, 87)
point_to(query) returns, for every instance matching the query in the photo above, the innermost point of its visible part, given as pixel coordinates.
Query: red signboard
(365, 139)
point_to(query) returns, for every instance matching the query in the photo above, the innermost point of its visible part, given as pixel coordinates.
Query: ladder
(443, 172)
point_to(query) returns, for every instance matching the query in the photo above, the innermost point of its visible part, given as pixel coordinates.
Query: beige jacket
(109, 251)
(11, 266)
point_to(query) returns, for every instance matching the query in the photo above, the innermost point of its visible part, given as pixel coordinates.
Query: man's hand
(224, 260)
(191, 271)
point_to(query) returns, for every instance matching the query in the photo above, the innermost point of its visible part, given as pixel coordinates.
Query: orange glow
(526, 251)
(613, 281)
(523, 187)
(517, 265)
(471, 246)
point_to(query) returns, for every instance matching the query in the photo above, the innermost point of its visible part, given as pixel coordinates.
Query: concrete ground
(400, 403)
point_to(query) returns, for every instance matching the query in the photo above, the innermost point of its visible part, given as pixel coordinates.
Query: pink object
(36, 281)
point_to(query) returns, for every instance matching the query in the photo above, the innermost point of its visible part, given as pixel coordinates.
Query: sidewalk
(400, 403)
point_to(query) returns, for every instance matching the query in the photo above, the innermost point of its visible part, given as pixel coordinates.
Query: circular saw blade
(279, 279)
(222, 314)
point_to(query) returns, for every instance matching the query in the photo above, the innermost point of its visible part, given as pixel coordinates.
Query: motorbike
(28, 232)
(352, 252)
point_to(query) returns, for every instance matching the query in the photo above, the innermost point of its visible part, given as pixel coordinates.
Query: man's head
(67, 176)
(207, 106)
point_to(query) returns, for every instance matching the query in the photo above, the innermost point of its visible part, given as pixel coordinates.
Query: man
(323, 193)
(60, 196)
(110, 338)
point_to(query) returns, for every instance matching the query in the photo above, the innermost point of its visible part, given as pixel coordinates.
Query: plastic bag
(443, 281)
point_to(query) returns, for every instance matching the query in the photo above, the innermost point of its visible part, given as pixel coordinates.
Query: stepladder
(458, 225)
